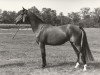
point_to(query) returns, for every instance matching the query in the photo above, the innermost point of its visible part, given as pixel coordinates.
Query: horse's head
(30, 18)
(21, 17)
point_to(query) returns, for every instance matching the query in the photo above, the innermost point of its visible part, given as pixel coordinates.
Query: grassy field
(14, 26)
(21, 55)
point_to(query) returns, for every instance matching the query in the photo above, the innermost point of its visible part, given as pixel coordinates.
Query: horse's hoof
(84, 70)
(85, 67)
(43, 66)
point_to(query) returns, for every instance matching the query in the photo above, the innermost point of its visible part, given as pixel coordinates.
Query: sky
(65, 6)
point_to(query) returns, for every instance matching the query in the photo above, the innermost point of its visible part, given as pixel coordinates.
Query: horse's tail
(85, 46)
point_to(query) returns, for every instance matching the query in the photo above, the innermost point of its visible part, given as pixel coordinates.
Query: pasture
(22, 56)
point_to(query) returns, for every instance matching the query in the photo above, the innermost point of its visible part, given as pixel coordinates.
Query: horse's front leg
(43, 53)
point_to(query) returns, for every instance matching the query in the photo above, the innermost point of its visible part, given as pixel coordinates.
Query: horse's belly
(56, 39)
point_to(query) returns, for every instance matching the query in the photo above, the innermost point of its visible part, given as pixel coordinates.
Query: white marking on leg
(77, 64)
(85, 66)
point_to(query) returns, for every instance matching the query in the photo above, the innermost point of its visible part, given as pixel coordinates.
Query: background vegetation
(85, 17)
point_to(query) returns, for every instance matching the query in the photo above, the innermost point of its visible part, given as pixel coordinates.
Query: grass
(21, 56)
(14, 26)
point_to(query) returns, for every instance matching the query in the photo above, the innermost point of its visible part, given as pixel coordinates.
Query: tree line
(85, 17)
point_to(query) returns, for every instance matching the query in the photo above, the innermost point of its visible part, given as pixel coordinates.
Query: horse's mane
(36, 18)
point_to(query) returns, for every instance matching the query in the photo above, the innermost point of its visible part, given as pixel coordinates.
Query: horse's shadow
(13, 65)
(63, 64)
(94, 65)
(72, 64)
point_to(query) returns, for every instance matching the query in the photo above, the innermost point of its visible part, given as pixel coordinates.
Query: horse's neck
(35, 26)
(34, 21)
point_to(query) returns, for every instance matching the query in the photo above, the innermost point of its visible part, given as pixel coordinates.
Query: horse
(48, 34)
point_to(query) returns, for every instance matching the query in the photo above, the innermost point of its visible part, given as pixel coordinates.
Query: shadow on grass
(62, 64)
(92, 65)
(20, 64)
(95, 65)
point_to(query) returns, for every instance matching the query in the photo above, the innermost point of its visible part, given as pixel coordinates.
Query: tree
(0, 11)
(12, 17)
(86, 20)
(75, 17)
(46, 15)
(0, 16)
(63, 19)
(35, 11)
(53, 17)
(5, 17)
(85, 12)
(8, 16)
(96, 17)
(49, 16)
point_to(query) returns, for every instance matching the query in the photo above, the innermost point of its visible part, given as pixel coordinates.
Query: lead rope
(16, 32)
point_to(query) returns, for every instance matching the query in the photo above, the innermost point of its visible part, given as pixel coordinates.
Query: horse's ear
(23, 8)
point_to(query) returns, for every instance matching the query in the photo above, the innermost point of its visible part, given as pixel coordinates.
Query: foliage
(8, 16)
(84, 17)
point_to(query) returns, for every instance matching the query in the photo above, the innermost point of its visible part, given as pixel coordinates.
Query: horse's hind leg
(43, 53)
(77, 51)
(84, 59)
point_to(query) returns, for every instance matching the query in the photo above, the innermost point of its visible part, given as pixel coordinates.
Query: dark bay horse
(58, 35)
